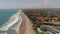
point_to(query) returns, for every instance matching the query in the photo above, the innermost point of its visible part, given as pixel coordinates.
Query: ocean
(9, 21)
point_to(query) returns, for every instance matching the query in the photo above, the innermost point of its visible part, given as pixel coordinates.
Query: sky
(8, 4)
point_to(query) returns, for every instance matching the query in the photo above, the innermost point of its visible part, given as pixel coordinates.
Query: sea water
(9, 21)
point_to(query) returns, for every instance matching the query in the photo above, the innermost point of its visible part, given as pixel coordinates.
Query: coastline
(26, 26)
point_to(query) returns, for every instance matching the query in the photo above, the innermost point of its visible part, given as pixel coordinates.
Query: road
(26, 26)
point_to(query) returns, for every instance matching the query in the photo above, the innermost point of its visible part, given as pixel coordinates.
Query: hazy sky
(29, 4)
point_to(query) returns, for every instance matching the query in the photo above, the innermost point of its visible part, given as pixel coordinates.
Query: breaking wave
(11, 22)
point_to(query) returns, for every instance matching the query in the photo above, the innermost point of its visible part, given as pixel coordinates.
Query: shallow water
(5, 14)
(9, 21)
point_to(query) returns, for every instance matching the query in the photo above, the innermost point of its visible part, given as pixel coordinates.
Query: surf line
(12, 20)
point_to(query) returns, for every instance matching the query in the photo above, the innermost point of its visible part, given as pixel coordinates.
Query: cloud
(45, 3)
(33, 5)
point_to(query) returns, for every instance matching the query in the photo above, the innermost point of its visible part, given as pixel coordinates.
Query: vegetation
(40, 32)
(44, 15)
(52, 15)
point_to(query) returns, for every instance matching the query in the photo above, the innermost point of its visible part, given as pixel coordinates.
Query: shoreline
(26, 26)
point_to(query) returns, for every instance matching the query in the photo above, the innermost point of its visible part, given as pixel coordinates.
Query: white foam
(5, 33)
(13, 20)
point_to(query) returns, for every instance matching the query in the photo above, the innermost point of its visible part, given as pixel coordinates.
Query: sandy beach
(26, 26)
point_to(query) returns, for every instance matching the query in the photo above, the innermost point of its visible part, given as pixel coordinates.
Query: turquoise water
(8, 32)
(5, 14)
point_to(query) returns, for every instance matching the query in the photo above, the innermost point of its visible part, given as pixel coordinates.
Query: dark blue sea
(9, 20)
(5, 14)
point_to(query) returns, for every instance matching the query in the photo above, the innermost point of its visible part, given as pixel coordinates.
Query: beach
(26, 26)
